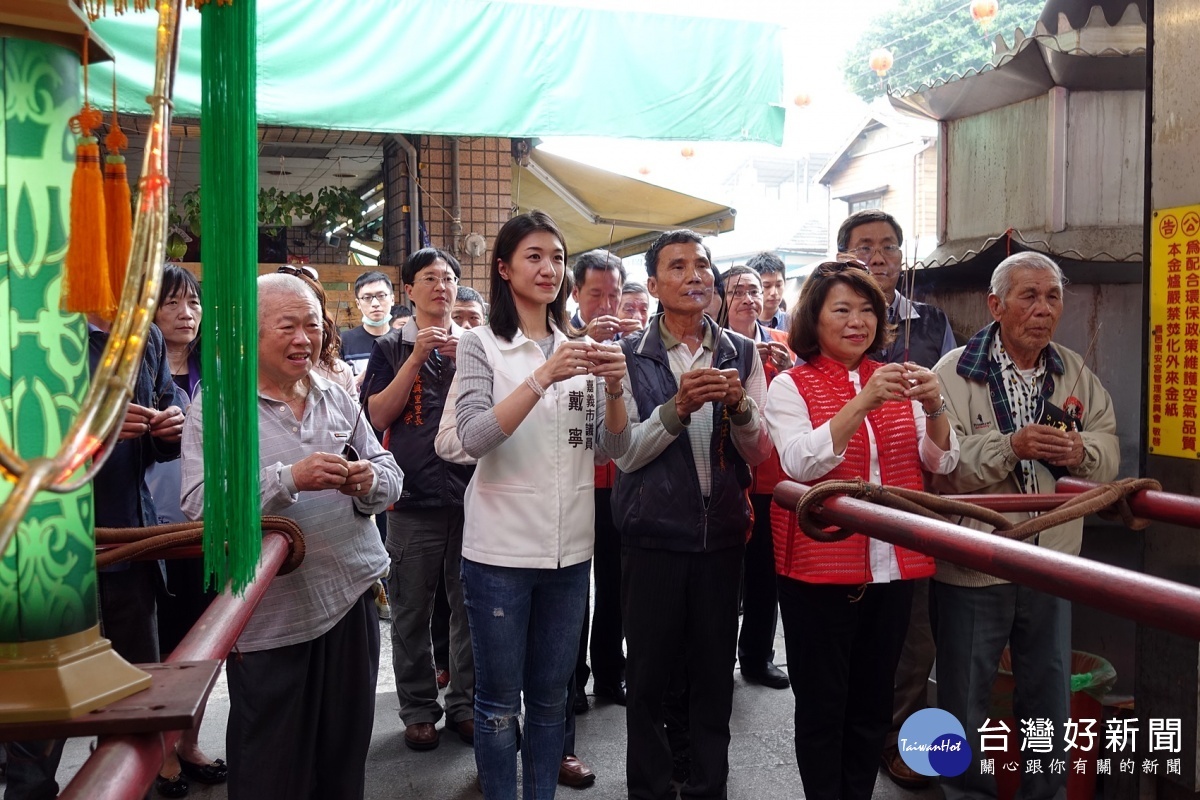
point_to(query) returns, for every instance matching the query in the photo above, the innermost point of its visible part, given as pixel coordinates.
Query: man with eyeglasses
(405, 391)
(373, 294)
(873, 237)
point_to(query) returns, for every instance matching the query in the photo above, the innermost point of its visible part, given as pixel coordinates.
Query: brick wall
(485, 186)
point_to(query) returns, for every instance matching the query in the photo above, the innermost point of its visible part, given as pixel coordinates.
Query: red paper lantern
(687, 151)
(643, 170)
(984, 11)
(881, 60)
(802, 99)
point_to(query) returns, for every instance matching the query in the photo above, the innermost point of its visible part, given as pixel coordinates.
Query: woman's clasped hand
(585, 358)
(905, 381)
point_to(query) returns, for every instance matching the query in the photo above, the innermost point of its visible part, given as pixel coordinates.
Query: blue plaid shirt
(976, 364)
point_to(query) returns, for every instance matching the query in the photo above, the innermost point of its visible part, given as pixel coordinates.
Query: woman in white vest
(538, 412)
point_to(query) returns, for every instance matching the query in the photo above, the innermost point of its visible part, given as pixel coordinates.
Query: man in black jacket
(692, 393)
(404, 392)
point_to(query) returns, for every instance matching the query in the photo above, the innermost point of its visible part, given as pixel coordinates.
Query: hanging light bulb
(881, 60)
(687, 151)
(984, 11)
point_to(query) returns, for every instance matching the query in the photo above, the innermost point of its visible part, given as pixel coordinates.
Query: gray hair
(1002, 276)
(275, 285)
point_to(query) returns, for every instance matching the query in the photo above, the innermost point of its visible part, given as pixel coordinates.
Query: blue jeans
(525, 627)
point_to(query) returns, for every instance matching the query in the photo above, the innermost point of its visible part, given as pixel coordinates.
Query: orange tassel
(117, 209)
(86, 287)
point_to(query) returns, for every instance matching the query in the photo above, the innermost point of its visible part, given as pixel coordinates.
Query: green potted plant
(277, 209)
(334, 206)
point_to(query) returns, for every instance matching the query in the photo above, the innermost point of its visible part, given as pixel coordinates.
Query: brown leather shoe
(899, 772)
(574, 773)
(465, 729)
(421, 736)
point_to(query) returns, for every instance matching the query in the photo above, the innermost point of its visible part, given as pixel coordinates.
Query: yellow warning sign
(1174, 331)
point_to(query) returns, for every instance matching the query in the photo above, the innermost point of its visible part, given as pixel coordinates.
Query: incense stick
(1087, 354)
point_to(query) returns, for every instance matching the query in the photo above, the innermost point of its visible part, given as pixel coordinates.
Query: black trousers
(300, 717)
(842, 647)
(760, 595)
(608, 634)
(679, 607)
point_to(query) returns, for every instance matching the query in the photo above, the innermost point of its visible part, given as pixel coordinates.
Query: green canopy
(479, 68)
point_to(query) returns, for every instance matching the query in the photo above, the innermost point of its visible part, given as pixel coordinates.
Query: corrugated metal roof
(1115, 244)
(1097, 56)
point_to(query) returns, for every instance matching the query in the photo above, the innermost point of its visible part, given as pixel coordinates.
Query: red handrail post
(124, 767)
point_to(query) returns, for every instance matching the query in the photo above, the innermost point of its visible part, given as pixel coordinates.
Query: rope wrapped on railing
(1110, 500)
(133, 543)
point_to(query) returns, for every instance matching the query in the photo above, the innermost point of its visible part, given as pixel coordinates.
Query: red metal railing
(1151, 601)
(124, 767)
(1161, 506)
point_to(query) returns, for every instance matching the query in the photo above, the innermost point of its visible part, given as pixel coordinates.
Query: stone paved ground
(762, 760)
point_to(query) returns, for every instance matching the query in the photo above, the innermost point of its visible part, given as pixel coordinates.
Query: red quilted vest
(825, 386)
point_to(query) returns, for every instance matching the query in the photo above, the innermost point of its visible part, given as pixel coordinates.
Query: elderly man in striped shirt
(302, 687)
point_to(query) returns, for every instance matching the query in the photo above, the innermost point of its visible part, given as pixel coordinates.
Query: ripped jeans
(525, 627)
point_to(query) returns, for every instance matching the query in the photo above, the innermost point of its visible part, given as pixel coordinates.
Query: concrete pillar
(1168, 667)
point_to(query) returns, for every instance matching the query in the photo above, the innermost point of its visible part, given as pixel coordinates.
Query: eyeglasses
(838, 267)
(378, 297)
(429, 281)
(299, 272)
(864, 253)
(739, 293)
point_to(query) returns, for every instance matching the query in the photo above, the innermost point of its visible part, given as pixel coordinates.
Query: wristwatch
(743, 405)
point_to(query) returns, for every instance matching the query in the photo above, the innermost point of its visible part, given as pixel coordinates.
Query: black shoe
(212, 773)
(613, 691)
(171, 787)
(768, 675)
(581, 703)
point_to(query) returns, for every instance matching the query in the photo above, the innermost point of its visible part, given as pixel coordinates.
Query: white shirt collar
(904, 308)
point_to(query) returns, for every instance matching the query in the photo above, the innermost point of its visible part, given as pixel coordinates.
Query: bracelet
(614, 396)
(533, 384)
(940, 410)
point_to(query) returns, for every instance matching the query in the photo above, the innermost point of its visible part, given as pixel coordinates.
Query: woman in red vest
(845, 604)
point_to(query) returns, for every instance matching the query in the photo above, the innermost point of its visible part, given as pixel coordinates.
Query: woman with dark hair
(538, 412)
(328, 364)
(178, 317)
(845, 604)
